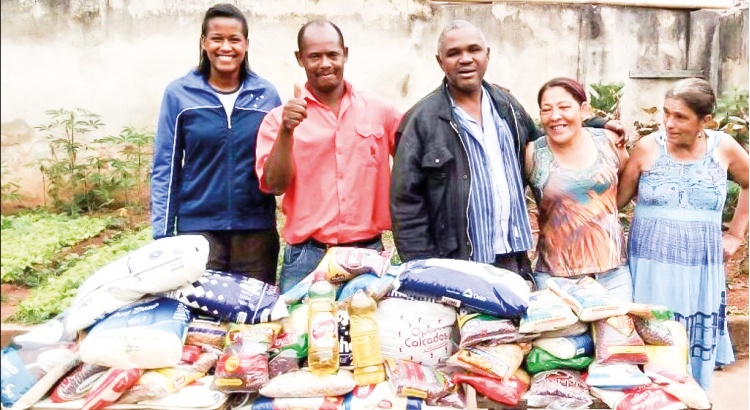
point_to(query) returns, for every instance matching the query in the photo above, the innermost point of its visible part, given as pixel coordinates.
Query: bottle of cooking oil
(368, 361)
(323, 338)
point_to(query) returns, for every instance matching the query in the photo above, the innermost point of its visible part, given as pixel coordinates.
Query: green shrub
(35, 239)
(57, 294)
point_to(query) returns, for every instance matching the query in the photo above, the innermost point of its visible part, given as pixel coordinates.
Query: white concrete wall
(114, 57)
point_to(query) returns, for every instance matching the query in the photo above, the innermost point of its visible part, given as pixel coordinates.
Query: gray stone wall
(114, 57)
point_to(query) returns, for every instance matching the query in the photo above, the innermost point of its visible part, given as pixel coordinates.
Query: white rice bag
(588, 298)
(546, 312)
(145, 335)
(303, 383)
(567, 347)
(619, 376)
(160, 266)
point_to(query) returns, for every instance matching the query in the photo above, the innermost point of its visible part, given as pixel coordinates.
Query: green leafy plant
(732, 115)
(57, 293)
(66, 171)
(11, 190)
(131, 164)
(604, 99)
(35, 239)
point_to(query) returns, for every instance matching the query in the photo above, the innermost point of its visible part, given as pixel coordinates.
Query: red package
(241, 372)
(77, 383)
(415, 380)
(504, 392)
(190, 354)
(617, 341)
(110, 387)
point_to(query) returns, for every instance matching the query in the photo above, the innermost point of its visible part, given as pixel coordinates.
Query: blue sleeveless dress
(675, 250)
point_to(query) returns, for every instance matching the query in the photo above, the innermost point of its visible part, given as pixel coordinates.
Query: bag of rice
(500, 361)
(546, 312)
(588, 299)
(567, 347)
(303, 383)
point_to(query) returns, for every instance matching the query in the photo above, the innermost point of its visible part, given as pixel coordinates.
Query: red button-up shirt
(340, 192)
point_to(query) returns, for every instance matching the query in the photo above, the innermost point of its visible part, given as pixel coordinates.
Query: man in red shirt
(328, 151)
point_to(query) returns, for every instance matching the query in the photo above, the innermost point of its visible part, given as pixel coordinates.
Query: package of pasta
(508, 392)
(243, 366)
(345, 263)
(499, 361)
(411, 379)
(465, 284)
(77, 383)
(478, 328)
(110, 387)
(303, 383)
(206, 331)
(565, 388)
(653, 332)
(158, 383)
(616, 341)
(546, 312)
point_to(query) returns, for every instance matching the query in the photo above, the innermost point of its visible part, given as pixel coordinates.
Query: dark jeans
(300, 260)
(254, 254)
(517, 262)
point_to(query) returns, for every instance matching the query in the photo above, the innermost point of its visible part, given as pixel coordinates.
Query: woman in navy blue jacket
(203, 178)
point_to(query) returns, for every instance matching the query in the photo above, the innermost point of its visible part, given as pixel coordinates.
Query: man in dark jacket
(457, 190)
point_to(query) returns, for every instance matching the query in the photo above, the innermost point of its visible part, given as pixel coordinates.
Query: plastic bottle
(368, 361)
(323, 338)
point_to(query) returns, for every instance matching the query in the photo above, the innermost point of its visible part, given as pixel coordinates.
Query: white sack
(162, 265)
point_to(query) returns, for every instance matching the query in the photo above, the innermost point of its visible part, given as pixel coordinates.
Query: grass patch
(34, 239)
(57, 293)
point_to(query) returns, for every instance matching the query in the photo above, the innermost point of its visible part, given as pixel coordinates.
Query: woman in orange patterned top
(573, 172)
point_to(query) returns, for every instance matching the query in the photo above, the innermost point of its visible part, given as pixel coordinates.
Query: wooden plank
(665, 74)
(667, 4)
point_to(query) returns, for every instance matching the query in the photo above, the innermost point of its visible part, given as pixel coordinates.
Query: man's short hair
(456, 25)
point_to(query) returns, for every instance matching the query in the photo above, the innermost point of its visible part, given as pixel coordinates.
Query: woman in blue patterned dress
(676, 249)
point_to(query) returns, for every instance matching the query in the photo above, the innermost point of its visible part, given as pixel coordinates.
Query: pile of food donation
(157, 330)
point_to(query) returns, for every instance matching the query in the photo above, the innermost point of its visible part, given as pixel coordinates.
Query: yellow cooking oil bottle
(323, 334)
(368, 361)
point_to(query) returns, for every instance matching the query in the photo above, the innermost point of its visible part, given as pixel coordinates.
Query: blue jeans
(617, 281)
(300, 260)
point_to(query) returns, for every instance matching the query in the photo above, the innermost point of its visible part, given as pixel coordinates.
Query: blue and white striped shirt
(498, 217)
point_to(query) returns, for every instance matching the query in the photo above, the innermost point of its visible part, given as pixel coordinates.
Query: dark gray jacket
(431, 177)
